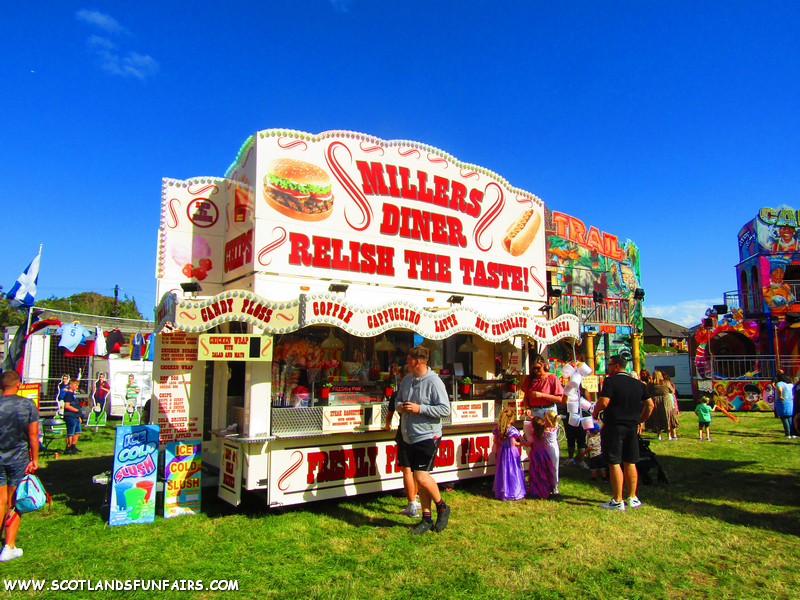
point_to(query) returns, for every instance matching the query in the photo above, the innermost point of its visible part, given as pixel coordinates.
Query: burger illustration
(298, 189)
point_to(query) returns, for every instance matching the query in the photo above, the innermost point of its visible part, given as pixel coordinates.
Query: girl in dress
(509, 478)
(542, 481)
(551, 421)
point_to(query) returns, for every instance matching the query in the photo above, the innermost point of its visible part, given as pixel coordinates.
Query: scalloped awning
(198, 315)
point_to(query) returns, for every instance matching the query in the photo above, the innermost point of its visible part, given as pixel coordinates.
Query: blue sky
(667, 123)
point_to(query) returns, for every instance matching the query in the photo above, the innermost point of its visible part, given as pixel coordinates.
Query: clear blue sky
(666, 122)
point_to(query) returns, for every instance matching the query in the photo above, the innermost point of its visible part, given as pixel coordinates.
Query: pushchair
(647, 462)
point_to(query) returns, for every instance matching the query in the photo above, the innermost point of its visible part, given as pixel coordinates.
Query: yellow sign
(234, 346)
(590, 383)
(31, 391)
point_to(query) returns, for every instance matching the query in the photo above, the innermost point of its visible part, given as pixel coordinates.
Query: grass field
(726, 526)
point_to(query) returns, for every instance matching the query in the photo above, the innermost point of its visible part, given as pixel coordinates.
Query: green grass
(726, 526)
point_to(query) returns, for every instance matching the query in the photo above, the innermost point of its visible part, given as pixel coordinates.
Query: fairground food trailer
(293, 288)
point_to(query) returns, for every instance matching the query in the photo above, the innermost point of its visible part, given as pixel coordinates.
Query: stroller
(648, 461)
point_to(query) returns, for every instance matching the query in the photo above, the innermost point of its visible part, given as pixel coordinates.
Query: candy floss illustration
(195, 263)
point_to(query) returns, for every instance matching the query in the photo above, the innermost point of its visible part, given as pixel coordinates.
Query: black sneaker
(422, 527)
(76, 450)
(441, 519)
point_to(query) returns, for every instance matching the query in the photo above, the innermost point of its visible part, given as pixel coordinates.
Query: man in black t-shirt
(626, 403)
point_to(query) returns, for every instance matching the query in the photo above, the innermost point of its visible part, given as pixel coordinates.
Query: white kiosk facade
(306, 284)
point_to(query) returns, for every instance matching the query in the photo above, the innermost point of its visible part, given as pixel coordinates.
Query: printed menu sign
(230, 474)
(182, 462)
(517, 405)
(472, 411)
(178, 377)
(351, 418)
(215, 346)
(133, 478)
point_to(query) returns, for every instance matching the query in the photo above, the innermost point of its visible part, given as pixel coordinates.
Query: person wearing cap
(625, 404)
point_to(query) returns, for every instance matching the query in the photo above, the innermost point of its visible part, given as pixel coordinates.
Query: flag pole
(30, 308)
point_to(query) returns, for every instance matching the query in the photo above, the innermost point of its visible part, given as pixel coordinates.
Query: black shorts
(620, 443)
(419, 456)
(703, 424)
(402, 454)
(575, 435)
(597, 462)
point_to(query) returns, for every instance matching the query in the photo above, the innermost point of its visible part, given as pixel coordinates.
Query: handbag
(31, 495)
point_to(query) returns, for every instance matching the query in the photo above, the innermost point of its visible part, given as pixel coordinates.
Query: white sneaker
(634, 502)
(8, 554)
(570, 462)
(612, 505)
(412, 510)
(583, 465)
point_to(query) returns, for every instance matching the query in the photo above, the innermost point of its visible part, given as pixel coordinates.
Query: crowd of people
(626, 404)
(624, 408)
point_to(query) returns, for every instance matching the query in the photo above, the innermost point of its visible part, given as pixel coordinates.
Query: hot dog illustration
(520, 235)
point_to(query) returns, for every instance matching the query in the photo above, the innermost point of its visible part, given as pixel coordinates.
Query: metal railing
(752, 301)
(740, 367)
(612, 310)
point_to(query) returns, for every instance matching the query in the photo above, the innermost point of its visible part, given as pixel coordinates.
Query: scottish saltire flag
(23, 291)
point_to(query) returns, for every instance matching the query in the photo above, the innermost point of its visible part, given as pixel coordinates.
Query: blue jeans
(787, 425)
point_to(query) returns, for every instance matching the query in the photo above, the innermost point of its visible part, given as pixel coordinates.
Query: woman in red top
(543, 390)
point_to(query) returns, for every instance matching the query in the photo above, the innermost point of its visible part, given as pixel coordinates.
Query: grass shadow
(713, 488)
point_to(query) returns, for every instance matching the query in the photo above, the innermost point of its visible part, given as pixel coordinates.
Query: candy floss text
(136, 448)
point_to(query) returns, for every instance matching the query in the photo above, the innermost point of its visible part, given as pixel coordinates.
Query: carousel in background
(742, 344)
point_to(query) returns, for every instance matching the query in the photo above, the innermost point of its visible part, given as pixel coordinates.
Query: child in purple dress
(509, 478)
(541, 475)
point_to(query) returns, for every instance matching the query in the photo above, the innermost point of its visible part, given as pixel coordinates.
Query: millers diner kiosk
(292, 289)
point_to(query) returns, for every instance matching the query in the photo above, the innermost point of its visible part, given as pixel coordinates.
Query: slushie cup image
(120, 489)
(134, 498)
(147, 486)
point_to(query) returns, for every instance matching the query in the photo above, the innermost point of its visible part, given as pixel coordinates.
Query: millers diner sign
(330, 309)
(353, 207)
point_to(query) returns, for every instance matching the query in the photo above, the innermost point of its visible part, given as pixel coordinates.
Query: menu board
(216, 346)
(517, 405)
(351, 418)
(230, 474)
(590, 383)
(182, 462)
(178, 377)
(133, 494)
(471, 411)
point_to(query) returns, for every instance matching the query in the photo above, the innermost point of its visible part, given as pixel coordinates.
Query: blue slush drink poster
(133, 479)
(182, 462)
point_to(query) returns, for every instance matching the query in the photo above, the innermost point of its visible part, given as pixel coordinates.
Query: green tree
(92, 303)
(10, 316)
